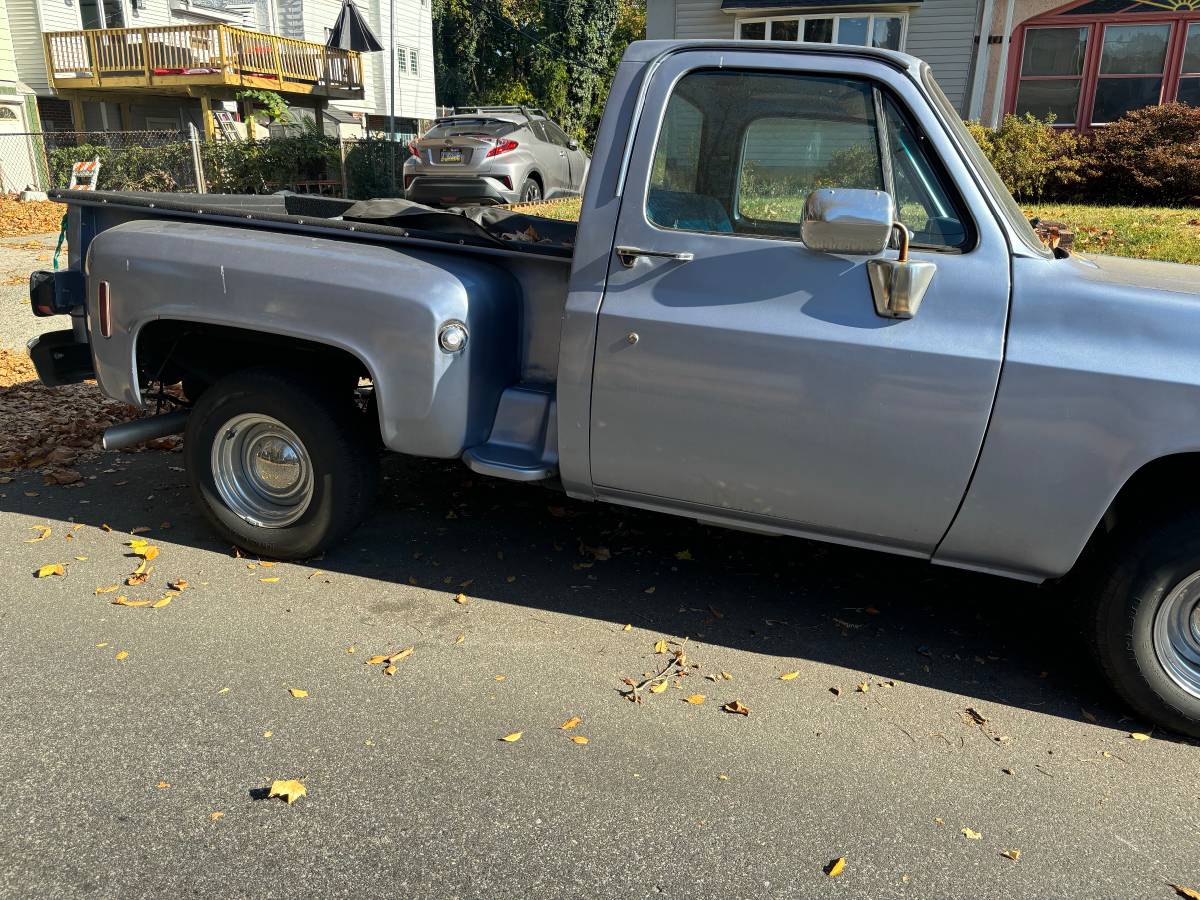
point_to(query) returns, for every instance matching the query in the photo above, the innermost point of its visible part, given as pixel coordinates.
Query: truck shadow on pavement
(439, 526)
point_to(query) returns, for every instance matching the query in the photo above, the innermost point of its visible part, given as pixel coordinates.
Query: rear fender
(383, 306)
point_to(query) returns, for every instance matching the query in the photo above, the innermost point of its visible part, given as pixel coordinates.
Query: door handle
(629, 255)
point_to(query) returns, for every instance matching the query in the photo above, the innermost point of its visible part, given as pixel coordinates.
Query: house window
(1090, 63)
(412, 58)
(401, 60)
(862, 30)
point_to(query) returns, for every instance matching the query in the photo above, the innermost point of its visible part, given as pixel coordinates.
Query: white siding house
(942, 32)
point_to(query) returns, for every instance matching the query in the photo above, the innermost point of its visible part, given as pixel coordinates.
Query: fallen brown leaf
(736, 707)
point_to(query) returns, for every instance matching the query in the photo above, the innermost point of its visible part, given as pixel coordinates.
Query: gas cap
(452, 336)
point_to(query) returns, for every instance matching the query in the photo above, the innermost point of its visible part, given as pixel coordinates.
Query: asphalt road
(411, 792)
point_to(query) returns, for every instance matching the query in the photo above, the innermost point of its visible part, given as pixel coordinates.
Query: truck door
(742, 376)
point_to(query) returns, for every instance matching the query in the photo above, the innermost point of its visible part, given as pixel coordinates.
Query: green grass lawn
(1143, 232)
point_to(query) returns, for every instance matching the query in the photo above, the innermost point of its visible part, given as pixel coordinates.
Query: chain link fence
(359, 168)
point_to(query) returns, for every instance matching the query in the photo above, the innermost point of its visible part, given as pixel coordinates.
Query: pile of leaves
(20, 218)
(50, 429)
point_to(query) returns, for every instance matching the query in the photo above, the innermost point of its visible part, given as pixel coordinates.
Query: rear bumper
(448, 190)
(60, 359)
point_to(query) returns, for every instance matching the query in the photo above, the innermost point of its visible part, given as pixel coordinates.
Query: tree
(556, 54)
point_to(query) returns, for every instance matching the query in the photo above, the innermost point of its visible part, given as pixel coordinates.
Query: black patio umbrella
(351, 31)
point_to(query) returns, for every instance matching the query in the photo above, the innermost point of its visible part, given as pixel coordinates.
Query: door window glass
(1189, 83)
(740, 152)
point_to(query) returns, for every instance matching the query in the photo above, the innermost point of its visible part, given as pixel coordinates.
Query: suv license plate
(451, 155)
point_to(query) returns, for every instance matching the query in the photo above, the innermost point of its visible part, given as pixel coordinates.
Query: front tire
(280, 465)
(1145, 634)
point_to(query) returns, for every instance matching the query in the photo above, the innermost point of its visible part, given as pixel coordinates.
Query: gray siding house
(942, 32)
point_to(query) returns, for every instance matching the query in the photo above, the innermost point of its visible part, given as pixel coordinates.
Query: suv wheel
(1145, 632)
(279, 464)
(531, 191)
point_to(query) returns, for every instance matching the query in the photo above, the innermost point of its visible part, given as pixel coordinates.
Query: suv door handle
(629, 255)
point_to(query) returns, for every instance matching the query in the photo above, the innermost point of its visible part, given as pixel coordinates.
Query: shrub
(257, 167)
(1035, 159)
(167, 167)
(1150, 156)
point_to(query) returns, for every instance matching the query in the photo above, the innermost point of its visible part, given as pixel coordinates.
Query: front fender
(382, 305)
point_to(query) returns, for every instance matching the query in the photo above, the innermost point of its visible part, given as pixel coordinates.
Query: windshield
(1008, 206)
(470, 128)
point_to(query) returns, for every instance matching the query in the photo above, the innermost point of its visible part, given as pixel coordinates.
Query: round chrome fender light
(452, 336)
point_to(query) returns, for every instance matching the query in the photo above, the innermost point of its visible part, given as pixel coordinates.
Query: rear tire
(280, 465)
(1145, 615)
(531, 191)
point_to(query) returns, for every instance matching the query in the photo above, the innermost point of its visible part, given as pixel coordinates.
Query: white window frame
(837, 17)
(414, 59)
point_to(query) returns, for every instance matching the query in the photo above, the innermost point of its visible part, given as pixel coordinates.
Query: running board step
(523, 445)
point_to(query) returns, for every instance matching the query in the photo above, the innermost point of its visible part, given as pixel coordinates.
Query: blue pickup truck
(798, 301)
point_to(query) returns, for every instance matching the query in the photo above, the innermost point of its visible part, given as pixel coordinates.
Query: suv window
(740, 152)
(557, 135)
(471, 127)
(539, 130)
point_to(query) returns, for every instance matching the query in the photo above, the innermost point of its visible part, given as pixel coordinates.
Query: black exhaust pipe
(127, 434)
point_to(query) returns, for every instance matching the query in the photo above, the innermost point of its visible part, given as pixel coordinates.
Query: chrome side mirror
(860, 222)
(899, 285)
(847, 220)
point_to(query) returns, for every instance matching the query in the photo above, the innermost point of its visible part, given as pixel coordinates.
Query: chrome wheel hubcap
(1177, 634)
(262, 470)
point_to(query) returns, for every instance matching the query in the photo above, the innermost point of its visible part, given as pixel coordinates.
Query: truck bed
(375, 221)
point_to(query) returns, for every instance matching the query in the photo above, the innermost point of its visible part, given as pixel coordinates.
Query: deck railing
(178, 55)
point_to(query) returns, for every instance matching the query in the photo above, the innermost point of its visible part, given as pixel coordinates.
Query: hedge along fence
(372, 167)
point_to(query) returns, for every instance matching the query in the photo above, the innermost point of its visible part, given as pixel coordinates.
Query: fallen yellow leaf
(376, 660)
(460, 639)
(658, 687)
(271, 580)
(736, 706)
(499, 677)
(1185, 892)
(51, 569)
(298, 693)
(660, 646)
(835, 868)
(402, 654)
(789, 676)
(726, 676)
(122, 654)
(179, 584)
(512, 738)
(213, 816)
(461, 598)
(627, 628)
(722, 777)
(290, 790)
(863, 687)
(570, 723)
(163, 785)
(684, 555)
(108, 589)
(223, 690)
(266, 565)
(971, 835)
(578, 739)
(160, 603)
(389, 670)
(43, 533)
(1014, 855)
(125, 601)
(696, 699)
(1138, 736)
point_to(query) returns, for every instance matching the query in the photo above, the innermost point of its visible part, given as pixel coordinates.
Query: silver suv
(491, 155)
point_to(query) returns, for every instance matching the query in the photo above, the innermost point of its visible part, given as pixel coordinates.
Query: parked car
(493, 155)
(894, 362)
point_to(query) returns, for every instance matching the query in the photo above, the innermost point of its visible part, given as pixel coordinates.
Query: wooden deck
(179, 58)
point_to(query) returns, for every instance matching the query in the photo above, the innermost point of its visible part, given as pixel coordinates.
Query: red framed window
(1091, 62)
